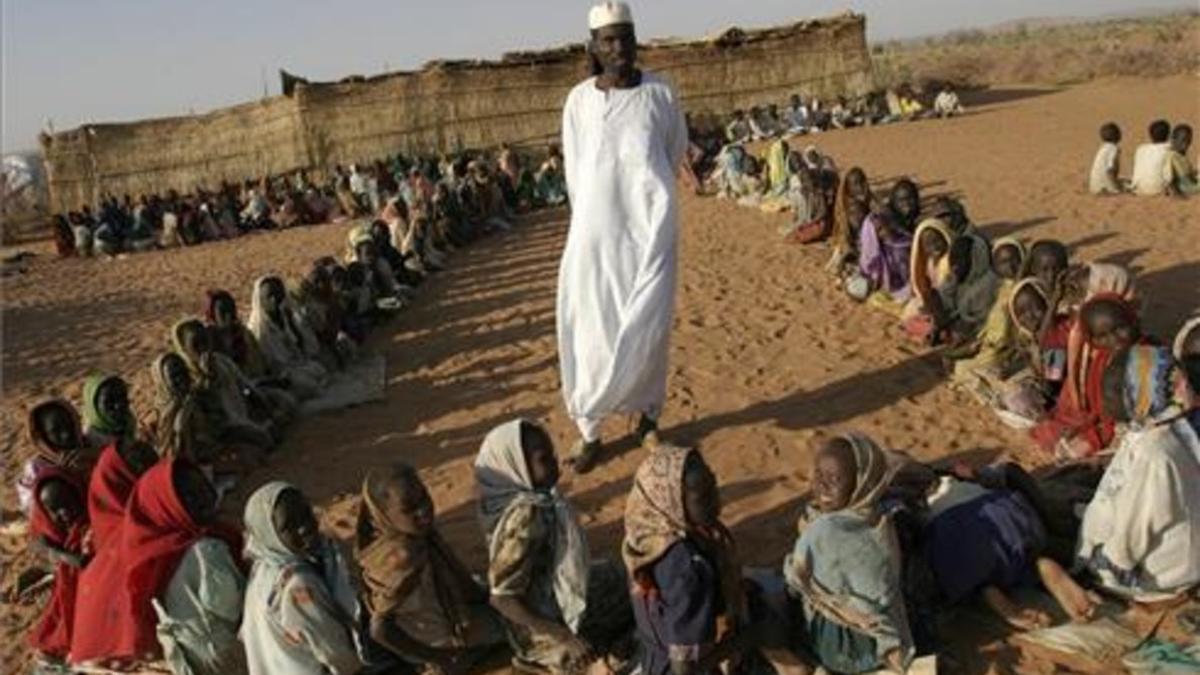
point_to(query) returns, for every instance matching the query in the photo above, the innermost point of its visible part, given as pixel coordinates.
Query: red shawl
(114, 618)
(1080, 410)
(108, 491)
(52, 634)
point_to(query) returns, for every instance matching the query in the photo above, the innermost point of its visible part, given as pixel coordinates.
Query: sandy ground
(766, 355)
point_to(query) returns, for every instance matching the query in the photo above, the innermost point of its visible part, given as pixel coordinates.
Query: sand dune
(766, 356)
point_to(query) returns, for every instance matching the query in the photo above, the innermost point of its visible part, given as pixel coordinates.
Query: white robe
(1141, 531)
(616, 284)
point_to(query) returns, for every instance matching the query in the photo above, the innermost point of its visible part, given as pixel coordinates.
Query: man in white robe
(624, 136)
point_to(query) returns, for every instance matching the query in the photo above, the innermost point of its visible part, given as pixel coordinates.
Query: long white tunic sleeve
(616, 284)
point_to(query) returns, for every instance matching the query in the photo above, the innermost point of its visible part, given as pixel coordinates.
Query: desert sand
(767, 355)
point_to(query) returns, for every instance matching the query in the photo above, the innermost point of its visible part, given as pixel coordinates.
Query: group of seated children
(224, 396)
(146, 572)
(1160, 167)
(461, 186)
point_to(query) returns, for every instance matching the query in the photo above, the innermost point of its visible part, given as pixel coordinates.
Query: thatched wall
(517, 99)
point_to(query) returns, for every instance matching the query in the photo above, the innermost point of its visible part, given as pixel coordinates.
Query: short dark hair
(1182, 131)
(1110, 133)
(1050, 247)
(1160, 130)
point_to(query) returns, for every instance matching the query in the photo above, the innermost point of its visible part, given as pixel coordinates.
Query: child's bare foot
(1078, 603)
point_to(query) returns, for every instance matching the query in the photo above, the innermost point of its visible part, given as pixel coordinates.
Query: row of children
(1051, 346)
(459, 187)
(1160, 167)
(884, 545)
(224, 397)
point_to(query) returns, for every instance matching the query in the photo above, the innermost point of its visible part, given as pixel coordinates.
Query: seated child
(117, 470)
(55, 433)
(1182, 179)
(688, 596)
(106, 412)
(235, 405)
(1104, 178)
(287, 341)
(1139, 534)
(168, 585)
(58, 527)
(844, 571)
(1150, 161)
(561, 609)
(1048, 260)
(424, 604)
(300, 607)
(1079, 425)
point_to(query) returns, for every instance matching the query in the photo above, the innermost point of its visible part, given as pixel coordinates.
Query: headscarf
(925, 280)
(271, 557)
(843, 229)
(289, 344)
(42, 446)
(777, 167)
(1022, 253)
(1181, 337)
(181, 424)
(115, 617)
(874, 471)
(1038, 287)
(95, 419)
(503, 480)
(1110, 279)
(52, 634)
(975, 295)
(1155, 388)
(394, 555)
(655, 520)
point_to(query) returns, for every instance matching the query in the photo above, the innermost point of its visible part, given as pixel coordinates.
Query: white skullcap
(608, 14)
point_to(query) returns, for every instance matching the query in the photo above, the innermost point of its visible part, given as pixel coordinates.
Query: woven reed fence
(471, 104)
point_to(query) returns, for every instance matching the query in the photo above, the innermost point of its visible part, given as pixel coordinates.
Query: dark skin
(1190, 357)
(296, 524)
(408, 493)
(138, 455)
(273, 295)
(702, 507)
(176, 375)
(1007, 262)
(194, 338)
(614, 52)
(196, 493)
(112, 398)
(1030, 310)
(64, 505)
(834, 482)
(906, 203)
(542, 464)
(225, 311)
(1109, 327)
(59, 429)
(1113, 387)
(1047, 263)
(365, 252)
